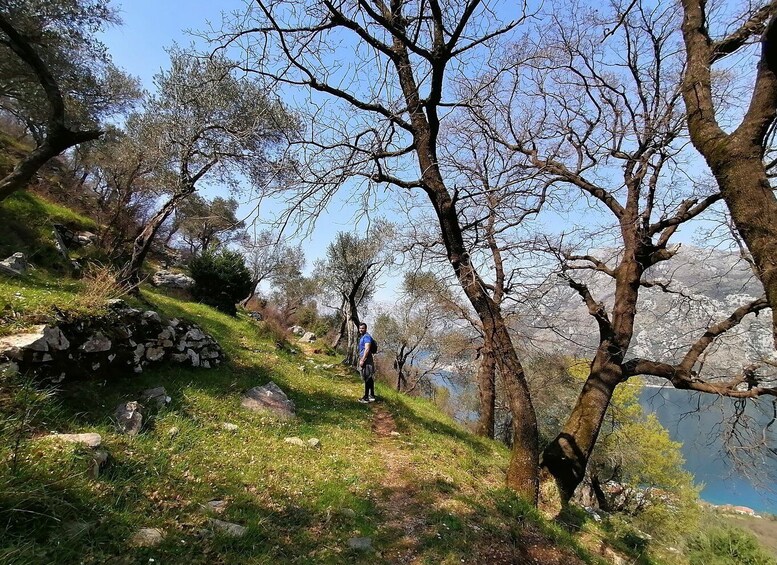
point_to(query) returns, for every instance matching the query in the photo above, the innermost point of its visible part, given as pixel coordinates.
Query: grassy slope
(26, 225)
(434, 492)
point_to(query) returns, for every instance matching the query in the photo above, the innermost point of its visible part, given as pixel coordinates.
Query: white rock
(89, 439)
(96, 343)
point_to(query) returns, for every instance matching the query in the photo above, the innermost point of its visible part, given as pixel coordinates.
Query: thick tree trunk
(566, 457)
(736, 159)
(486, 380)
(523, 470)
(341, 332)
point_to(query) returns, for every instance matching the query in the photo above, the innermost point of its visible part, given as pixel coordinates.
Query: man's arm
(367, 345)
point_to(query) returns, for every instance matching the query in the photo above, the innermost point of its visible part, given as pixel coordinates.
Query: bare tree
(598, 109)
(270, 259)
(388, 105)
(741, 159)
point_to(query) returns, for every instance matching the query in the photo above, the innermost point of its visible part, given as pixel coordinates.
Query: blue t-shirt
(363, 341)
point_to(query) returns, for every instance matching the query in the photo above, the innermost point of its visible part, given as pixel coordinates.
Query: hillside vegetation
(429, 492)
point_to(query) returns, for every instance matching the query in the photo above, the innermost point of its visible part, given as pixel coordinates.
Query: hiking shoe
(363, 400)
(371, 398)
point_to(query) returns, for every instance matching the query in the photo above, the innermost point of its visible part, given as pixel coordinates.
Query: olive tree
(206, 125)
(56, 78)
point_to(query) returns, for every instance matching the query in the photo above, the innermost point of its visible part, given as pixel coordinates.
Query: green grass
(301, 505)
(26, 224)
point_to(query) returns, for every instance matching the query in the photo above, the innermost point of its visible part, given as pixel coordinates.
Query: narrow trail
(403, 513)
(408, 520)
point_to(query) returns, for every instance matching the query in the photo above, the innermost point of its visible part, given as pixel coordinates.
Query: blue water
(698, 421)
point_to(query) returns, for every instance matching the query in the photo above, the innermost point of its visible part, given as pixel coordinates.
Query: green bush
(727, 546)
(221, 279)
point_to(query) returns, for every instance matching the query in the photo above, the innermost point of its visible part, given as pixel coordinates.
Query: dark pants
(367, 371)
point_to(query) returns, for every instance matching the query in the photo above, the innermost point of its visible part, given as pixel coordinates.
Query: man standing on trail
(366, 364)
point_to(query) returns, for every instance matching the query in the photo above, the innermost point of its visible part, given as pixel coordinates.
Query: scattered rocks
(15, 265)
(255, 316)
(129, 419)
(360, 544)
(269, 398)
(297, 330)
(169, 279)
(295, 441)
(229, 427)
(314, 442)
(172, 432)
(228, 528)
(147, 537)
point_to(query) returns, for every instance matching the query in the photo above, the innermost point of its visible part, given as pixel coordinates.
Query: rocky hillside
(706, 286)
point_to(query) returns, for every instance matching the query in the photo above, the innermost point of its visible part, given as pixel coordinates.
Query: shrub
(221, 279)
(727, 546)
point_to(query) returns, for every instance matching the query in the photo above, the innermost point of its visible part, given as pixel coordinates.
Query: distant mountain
(707, 285)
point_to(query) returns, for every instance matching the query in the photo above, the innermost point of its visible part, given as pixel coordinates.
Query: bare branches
(753, 27)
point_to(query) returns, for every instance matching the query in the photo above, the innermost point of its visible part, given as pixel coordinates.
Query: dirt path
(407, 518)
(404, 516)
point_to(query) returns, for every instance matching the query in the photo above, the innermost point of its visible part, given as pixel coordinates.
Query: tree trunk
(523, 470)
(566, 457)
(247, 299)
(736, 159)
(341, 332)
(25, 170)
(487, 391)
(130, 274)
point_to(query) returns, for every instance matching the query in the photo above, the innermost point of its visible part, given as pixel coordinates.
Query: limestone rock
(15, 265)
(14, 346)
(55, 339)
(216, 505)
(229, 427)
(228, 528)
(297, 330)
(129, 418)
(195, 334)
(172, 280)
(295, 441)
(155, 353)
(98, 463)
(314, 442)
(147, 537)
(151, 316)
(96, 343)
(269, 398)
(308, 337)
(88, 439)
(156, 396)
